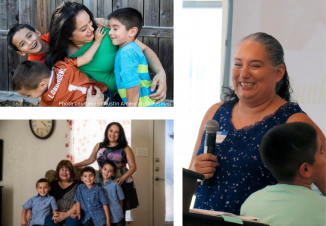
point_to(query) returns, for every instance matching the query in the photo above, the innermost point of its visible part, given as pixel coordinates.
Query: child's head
(292, 151)
(108, 169)
(43, 187)
(31, 79)
(87, 175)
(25, 39)
(125, 25)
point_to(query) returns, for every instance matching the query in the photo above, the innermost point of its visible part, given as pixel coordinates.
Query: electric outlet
(141, 152)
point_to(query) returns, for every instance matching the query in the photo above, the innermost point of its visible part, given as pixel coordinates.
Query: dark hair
(69, 166)
(286, 147)
(43, 180)
(110, 163)
(63, 23)
(87, 169)
(129, 17)
(29, 74)
(122, 141)
(276, 56)
(13, 31)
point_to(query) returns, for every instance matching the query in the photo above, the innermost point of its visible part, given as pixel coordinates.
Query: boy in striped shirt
(130, 68)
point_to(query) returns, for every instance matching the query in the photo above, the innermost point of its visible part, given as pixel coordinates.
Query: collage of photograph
(242, 84)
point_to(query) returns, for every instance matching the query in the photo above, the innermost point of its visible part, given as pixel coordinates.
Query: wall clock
(42, 129)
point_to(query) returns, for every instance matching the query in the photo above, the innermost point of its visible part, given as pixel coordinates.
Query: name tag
(220, 136)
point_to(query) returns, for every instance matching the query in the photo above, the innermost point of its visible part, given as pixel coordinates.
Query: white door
(163, 172)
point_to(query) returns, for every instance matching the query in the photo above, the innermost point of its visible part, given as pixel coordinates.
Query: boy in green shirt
(293, 153)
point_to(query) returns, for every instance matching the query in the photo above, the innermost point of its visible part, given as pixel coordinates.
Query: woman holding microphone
(260, 100)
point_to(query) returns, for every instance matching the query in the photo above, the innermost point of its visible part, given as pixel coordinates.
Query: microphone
(211, 128)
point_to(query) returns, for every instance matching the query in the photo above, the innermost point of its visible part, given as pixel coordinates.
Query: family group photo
(87, 172)
(87, 53)
(247, 106)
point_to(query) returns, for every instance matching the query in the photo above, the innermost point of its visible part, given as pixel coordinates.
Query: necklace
(258, 115)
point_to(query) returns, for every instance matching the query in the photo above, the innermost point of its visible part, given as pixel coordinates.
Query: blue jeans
(68, 222)
(115, 101)
(107, 94)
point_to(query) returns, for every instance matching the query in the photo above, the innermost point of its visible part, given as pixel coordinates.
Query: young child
(64, 86)
(293, 153)
(130, 68)
(24, 39)
(41, 205)
(113, 192)
(91, 199)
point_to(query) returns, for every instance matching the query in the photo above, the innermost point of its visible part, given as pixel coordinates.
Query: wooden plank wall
(3, 44)
(157, 32)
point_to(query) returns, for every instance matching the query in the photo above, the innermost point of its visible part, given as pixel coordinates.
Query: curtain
(85, 134)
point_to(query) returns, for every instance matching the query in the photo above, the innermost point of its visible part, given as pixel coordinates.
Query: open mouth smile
(34, 46)
(247, 84)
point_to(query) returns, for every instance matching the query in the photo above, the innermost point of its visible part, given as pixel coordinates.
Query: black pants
(120, 223)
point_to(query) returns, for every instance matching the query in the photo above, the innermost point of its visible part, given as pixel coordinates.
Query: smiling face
(107, 171)
(88, 178)
(113, 134)
(64, 174)
(84, 29)
(253, 75)
(42, 188)
(27, 41)
(119, 33)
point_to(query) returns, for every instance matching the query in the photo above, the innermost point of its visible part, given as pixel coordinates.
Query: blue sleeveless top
(241, 171)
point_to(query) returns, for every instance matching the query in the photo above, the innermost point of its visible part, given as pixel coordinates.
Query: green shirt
(101, 68)
(286, 205)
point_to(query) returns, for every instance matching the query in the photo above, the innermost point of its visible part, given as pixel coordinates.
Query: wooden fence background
(157, 32)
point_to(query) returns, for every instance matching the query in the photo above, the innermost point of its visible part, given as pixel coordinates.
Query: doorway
(163, 177)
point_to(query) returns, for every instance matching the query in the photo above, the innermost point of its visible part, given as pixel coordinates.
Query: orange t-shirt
(38, 57)
(68, 86)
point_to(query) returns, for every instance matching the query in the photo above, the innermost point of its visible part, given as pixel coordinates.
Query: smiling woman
(72, 34)
(253, 74)
(115, 148)
(259, 102)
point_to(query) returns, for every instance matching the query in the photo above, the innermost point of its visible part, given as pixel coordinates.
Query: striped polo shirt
(131, 69)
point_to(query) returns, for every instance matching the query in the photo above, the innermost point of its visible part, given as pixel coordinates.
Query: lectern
(193, 219)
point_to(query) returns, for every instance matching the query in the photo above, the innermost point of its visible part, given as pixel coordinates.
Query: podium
(193, 219)
(189, 186)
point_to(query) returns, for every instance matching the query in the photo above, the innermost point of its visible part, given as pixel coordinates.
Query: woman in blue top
(259, 101)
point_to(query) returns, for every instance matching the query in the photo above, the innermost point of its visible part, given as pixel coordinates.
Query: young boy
(292, 152)
(64, 86)
(113, 192)
(24, 39)
(41, 204)
(130, 68)
(90, 198)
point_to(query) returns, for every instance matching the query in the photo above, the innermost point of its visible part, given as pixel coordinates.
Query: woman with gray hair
(260, 101)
